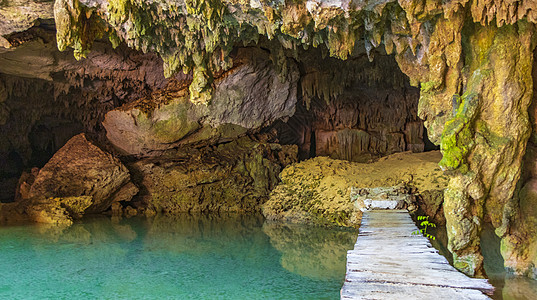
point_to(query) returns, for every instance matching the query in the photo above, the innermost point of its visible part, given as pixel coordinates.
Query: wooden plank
(389, 262)
(390, 291)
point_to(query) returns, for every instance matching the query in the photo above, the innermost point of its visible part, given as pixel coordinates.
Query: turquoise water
(507, 287)
(186, 257)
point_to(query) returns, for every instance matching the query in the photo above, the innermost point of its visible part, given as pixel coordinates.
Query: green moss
(428, 86)
(467, 263)
(458, 136)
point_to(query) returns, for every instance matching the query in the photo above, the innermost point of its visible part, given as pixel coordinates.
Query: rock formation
(354, 109)
(79, 179)
(472, 60)
(320, 190)
(231, 177)
(249, 96)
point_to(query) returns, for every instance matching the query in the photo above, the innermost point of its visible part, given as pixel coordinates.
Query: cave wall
(181, 156)
(484, 142)
(523, 228)
(472, 60)
(47, 97)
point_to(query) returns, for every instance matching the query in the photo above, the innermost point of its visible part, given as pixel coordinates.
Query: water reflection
(182, 257)
(506, 286)
(94, 230)
(232, 234)
(314, 252)
(519, 288)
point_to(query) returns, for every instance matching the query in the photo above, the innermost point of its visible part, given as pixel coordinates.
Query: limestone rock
(58, 210)
(137, 131)
(38, 115)
(354, 110)
(484, 141)
(319, 190)
(80, 178)
(247, 97)
(125, 193)
(19, 15)
(430, 203)
(394, 197)
(33, 59)
(12, 213)
(253, 94)
(235, 176)
(519, 246)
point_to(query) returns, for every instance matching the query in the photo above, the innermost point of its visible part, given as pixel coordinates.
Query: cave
(355, 110)
(203, 116)
(369, 112)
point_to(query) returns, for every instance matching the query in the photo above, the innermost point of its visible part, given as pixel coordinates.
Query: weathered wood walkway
(388, 262)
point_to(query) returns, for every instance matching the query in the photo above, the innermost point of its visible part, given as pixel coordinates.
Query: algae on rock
(231, 177)
(318, 190)
(484, 143)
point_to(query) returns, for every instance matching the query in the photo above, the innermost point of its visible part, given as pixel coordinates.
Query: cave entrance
(354, 110)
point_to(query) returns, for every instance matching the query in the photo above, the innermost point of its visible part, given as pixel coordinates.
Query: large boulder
(152, 124)
(79, 179)
(247, 97)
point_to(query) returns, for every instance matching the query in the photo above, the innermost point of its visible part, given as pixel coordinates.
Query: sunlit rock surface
(319, 190)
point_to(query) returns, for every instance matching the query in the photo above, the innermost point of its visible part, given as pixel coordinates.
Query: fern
(425, 224)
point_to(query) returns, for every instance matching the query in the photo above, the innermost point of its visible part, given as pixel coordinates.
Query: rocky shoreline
(322, 190)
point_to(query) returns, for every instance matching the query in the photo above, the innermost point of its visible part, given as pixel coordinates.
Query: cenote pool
(184, 257)
(194, 257)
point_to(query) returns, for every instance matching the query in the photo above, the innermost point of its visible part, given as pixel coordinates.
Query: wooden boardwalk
(388, 262)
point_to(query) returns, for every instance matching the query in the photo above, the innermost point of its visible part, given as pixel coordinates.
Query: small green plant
(425, 224)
